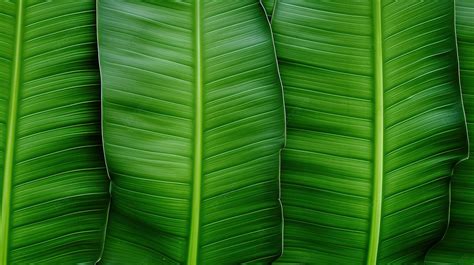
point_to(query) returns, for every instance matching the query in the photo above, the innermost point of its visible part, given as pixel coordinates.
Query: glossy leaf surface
(54, 184)
(375, 125)
(457, 247)
(193, 126)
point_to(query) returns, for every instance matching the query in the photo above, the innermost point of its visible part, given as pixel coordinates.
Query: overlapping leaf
(457, 247)
(375, 125)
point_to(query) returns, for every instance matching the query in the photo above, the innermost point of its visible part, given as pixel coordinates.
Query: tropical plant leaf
(374, 127)
(193, 126)
(54, 184)
(457, 247)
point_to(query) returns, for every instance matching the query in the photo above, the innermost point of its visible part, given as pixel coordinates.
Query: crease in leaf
(457, 245)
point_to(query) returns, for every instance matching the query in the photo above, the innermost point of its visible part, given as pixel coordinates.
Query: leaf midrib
(10, 141)
(377, 195)
(193, 243)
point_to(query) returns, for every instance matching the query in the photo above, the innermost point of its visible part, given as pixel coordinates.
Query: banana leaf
(457, 247)
(374, 127)
(193, 126)
(54, 183)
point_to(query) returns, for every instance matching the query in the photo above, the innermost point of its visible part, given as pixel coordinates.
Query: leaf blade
(327, 56)
(58, 177)
(242, 130)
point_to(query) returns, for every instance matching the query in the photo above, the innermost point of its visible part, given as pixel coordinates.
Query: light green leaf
(375, 125)
(54, 184)
(193, 126)
(457, 247)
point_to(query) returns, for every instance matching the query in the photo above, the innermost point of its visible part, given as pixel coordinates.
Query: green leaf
(54, 182)
(457, 247)
(193, 126)
(375, 125)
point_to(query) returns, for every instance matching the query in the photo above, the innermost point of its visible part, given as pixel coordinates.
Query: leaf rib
(11, 131)
(378, 136)
(197, 164)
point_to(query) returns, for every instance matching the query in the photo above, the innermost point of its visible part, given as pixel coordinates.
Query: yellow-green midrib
(193, 244)
(10, 137)
(377, 195)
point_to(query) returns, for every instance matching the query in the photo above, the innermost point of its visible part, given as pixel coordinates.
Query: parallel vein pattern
(457, 247)
(53, 177)
(375, 125)
(192, 104)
